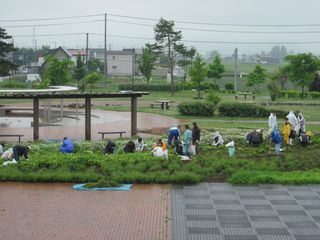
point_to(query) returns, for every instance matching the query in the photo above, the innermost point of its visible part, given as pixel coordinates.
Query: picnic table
(245, 94)
(161, 103)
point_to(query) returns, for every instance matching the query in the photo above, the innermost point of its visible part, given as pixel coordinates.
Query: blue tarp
(124, 187)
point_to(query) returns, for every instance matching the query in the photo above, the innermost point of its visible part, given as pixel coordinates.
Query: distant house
(120, 63)
(61, 53)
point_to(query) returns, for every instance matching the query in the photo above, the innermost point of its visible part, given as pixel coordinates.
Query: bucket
(231, 151)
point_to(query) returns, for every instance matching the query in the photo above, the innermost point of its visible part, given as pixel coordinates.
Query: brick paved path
(213, 211)
(56, 211)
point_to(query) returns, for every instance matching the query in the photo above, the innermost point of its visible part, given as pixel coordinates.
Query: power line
(186, 41)
(49, 35)
(51, 24)
(222, 24)
(220, 31)
(176, 21)
(48, 19)
(179, 28)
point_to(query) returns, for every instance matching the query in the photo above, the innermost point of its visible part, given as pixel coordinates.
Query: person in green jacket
(187, 138)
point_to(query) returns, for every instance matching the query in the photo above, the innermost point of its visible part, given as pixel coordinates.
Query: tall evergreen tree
(5, 48)
(169, 41)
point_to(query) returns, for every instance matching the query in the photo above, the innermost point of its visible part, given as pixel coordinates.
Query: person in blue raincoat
(187, 138)
(276, 139)
(67, 146)
(174, 132)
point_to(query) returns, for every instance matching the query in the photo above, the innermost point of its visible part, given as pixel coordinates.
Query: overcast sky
(246, 12)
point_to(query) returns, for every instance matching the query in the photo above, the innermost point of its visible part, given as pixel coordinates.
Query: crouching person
(217, 139)
(157, 151)
(255, 138)
(18, 151)
(129, 147)
(109, 148)
(67, 146)
(276, 139)
(304, 139)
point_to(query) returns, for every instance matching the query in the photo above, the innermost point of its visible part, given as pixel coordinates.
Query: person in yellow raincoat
(286, 131)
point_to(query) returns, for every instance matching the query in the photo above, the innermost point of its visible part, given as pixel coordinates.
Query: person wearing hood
(217, 139)
(67, 146)
(286, 132)
(272, 122)
(301, 123)
(293, 122)
(276, 139)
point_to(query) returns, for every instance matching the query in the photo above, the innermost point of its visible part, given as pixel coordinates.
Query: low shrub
(246, 110)
(102, 183)
(212, 97)
(229, 86)
(205, 109)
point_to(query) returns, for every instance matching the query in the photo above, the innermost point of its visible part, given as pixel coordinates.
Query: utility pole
(235, 68)
(133, 66)
(87, 45)
(105, 66)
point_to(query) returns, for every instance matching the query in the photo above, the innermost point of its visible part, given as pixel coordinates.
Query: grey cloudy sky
(258, 12)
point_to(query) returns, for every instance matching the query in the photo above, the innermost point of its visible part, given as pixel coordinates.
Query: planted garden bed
(297, 165)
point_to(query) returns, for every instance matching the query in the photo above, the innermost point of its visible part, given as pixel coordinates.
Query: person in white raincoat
(272, 122)
(294, 122)
(217, 139)
(292, 119)
(301, 123)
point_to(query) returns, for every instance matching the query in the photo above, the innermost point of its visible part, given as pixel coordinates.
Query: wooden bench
(12, 135)
(106, 133)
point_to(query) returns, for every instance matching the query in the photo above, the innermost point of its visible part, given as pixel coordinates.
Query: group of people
(12, 155)
(184, 144)
(181, 144)
(293, 127)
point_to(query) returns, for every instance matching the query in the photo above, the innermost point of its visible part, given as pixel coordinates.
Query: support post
(134, 130)
(35, 118)
(88, 118)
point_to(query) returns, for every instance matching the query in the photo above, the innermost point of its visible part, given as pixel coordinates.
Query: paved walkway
(57, 212)
(207, 211)
(213, 211)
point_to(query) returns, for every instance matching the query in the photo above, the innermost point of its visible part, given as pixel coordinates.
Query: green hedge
(204, 109)
(297, 95)
(204, 86)
(246, 110)
(149, 87)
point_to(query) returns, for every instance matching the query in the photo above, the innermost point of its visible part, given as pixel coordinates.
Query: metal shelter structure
(87, 97)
